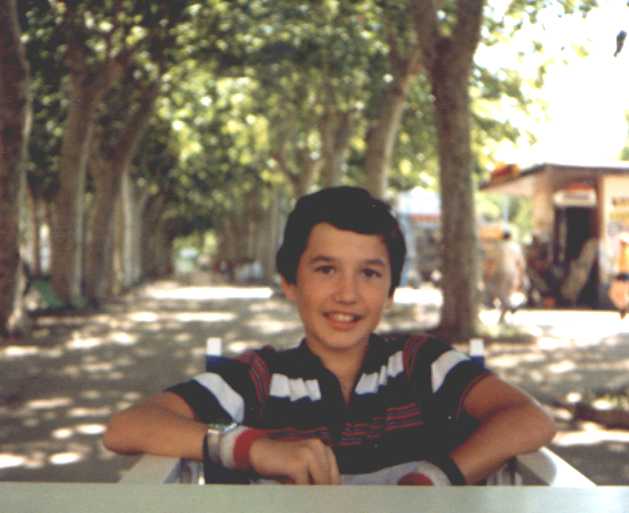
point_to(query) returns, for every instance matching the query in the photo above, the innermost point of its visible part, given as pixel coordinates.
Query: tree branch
(427, 29)
(466, 35)
(136, 121)
(394, 52)
(280, 158)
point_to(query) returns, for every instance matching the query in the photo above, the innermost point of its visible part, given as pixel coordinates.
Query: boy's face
(341, 290)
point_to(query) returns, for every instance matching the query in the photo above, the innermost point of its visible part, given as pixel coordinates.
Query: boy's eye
(372, 273)
(324, 269)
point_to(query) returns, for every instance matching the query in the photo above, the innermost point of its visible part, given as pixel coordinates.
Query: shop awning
(548, 176)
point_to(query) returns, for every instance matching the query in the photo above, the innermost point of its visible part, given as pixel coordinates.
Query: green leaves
(244, 82)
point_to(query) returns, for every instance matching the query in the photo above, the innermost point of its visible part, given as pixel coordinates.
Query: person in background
(508, 274)
(346, 405)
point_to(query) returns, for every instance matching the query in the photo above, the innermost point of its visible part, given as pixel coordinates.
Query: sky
(587, 96)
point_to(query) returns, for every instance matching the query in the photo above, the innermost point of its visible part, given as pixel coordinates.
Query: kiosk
(580, 220)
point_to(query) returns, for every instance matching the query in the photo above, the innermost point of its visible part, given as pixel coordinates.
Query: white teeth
(341, 317)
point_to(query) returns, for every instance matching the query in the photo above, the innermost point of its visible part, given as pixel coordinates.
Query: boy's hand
(441, 472)
(303, 462)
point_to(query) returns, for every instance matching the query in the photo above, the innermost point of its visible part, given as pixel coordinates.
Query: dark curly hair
(346, 208)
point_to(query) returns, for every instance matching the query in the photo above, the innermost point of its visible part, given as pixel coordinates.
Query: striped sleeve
(441, 374)
(230, 389)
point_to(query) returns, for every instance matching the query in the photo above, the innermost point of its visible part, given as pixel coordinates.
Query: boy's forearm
(152, 429)
(515, 430)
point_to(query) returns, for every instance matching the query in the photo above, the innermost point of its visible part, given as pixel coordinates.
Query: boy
(346, 405)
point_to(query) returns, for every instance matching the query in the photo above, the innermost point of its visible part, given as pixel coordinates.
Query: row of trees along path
(126, 125)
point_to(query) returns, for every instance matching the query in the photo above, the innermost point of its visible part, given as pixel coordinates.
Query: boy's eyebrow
(376, 261)
(320, 258)
(327, 259)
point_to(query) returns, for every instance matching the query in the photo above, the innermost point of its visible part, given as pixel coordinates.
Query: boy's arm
(163, 425)
(511, 423)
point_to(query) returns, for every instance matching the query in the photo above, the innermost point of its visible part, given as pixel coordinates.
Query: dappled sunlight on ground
(61, 385)
(571, 354)
(559, 366)
(602, 454)
(583, 327)
(590, 434)
(208, 293)
(243, 345)
(161, 318)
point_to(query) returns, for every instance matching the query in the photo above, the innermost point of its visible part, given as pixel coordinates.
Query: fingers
(321, 463)
(303, 462)
(300, 476)
(334, 473)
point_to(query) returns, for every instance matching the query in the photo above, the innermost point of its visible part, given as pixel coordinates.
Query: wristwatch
(213, 438)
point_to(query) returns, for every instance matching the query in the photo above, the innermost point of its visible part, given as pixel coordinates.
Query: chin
(346, 344)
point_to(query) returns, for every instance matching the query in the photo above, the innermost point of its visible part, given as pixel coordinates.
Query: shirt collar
(373, 357)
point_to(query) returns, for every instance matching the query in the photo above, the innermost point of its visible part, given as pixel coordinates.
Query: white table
(109, 498)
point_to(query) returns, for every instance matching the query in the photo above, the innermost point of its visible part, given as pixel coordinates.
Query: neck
(345, 366)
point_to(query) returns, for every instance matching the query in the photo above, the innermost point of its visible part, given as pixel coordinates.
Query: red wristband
(441, 471)
(415, 479)
(242, 447)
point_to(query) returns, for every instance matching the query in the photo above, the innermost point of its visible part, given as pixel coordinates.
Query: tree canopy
(215, 115)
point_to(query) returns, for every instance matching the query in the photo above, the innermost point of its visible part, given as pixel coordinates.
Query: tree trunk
(134, 202)
(116, 276)
(14, 131)
(271, 237)
(336, 130)
(36, 227)
(303, 173)
(306, 178)
(165, 248)
(459, 312)
(382, 134)
(47, 235)
(87, 86)
(229, 240)
(107, 180)
(100, 246)
(152, 238)
(69, 205)
(448, 62)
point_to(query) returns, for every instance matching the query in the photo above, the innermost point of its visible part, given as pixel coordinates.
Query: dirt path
(59, 386)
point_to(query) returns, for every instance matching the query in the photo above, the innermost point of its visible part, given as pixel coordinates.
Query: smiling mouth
(342, 317)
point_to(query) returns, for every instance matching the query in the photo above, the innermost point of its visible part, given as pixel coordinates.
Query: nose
(347, 288)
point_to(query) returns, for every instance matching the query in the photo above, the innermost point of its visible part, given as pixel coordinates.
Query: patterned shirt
(401, 409)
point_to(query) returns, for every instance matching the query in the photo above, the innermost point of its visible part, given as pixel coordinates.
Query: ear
(289, 289)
